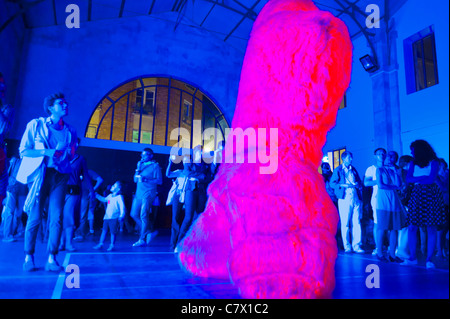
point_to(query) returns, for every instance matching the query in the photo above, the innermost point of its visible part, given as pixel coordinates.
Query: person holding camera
(147, 176)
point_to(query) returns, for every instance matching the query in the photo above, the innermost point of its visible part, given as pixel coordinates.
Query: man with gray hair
(347, 187)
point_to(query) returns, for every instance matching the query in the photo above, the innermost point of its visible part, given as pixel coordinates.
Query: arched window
(151, 110)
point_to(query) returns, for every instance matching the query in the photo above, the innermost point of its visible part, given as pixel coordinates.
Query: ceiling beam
(223, 5)
(122, 7)
(247, 15)
(151, 7)
(54, 12)
(207, 15)
(362, 29)
(89, 14)
(247, 9)
(24, 6)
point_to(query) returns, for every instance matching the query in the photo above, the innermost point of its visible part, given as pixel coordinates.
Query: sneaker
(9, 239)
(110, 248)
(29, 266)
(54, 267)
(79, 238)
(408, 262)
(151, 236)
(430, 265)
(99, 246)
(348, 250)
(358, 250)
(395, 260)
(139, 243)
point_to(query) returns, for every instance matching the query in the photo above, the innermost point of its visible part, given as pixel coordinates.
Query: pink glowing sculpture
(274, 234)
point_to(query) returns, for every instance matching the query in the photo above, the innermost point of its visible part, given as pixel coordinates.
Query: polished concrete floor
(153, 273)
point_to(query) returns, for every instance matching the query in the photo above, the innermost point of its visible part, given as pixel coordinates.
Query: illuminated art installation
(274, 234)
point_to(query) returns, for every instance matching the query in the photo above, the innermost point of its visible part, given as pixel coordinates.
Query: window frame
(411, 69)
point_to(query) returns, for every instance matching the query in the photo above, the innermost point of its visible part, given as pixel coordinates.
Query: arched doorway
(147, 109)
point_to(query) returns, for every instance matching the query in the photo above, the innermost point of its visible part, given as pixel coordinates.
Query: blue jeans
(54, 189)
(141, 212)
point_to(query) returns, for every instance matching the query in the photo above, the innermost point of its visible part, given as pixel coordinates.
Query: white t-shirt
(371, 171)
(115, 207)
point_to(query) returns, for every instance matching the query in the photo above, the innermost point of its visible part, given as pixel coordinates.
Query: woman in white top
(426, 203)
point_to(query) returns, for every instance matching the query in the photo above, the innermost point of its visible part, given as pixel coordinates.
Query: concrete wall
(88, 62)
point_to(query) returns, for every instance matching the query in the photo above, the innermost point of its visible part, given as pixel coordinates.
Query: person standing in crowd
(392, 159)
(73, 197)
(390, 214)
(177, 202)
(147, 177)
(201, 177)
(370, 180)
(115, 211)
(194, 177)
(326, 174)
(404, 193)
(347, 187)
(217, 159)
(426, 204)
(45, 150)
(13, 203)
(87, 204)
(443, 182)
(6, 120)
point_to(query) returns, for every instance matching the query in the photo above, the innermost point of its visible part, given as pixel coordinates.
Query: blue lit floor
(153, 273)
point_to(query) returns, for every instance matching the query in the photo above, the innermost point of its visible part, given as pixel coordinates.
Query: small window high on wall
(147, 110)
(334, 157)
(420, 60)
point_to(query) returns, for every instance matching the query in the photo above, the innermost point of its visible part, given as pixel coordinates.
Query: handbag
(182, 190)
(171, 193)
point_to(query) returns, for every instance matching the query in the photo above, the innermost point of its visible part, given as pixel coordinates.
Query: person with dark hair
(115, 211)
(326, 174)
(390, 214)
(13, 203)
(404, 193)
(147, 177)
(217, 159)
(45, 150)
(192, 189)
(6, 120)
(347, 187)
(392, 159)
(370, 180)
(87, 205)
(426, 204)
(443, 182)
(73, 197)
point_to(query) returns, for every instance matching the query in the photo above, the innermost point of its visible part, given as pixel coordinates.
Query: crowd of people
(48, 175)
(410, 198)
(50, 182)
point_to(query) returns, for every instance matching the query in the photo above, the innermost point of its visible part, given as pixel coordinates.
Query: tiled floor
(153, 273)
